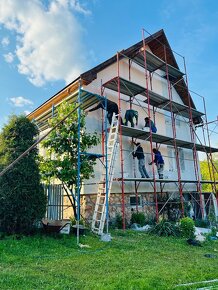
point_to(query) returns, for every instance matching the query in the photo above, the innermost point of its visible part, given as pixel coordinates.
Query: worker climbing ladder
(100, 211)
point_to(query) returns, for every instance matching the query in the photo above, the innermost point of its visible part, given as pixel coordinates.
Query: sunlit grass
(132, 260)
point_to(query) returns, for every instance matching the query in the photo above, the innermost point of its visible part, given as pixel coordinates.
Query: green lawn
(132, 260)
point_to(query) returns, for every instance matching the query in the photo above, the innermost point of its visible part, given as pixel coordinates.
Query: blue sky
(46, 44)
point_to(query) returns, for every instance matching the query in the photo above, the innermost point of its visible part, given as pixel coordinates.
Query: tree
(22, 198)
(205, 172)
(61, 147)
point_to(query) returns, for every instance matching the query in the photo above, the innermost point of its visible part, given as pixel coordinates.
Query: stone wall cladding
(115, 205)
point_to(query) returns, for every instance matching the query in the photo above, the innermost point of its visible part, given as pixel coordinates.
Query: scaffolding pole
(149, 116)
(209, 156)
(121, 144)
(106, 168)
(174, 133)
(193, 139)
(78, 166)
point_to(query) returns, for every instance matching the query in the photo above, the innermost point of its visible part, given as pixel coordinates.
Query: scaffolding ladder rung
(101, 204)
(112, 146)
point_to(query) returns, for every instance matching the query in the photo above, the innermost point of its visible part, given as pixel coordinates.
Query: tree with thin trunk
(61, 147)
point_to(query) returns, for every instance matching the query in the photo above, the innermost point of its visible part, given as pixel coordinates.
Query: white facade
(163, 124)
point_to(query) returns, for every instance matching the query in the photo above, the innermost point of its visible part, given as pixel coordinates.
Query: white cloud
(5, 41)
(77, 7)
(20, 101)
(49, 45)
(26, 112)
(9, 57)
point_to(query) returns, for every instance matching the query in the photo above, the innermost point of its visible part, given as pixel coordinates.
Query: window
(181, 159)
(133, 200)
(172, 159)
(178, 121)
(168, 120)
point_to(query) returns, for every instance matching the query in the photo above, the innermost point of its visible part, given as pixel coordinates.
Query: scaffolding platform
(87, 99)
(154, 63)
(156, 138)
(131, 89)
(164, 180)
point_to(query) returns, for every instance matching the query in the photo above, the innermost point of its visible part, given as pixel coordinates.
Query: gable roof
(156, 43)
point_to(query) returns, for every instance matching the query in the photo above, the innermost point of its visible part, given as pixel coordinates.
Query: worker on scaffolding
(150, 124)
(158, 160)
(129, 116)
(139, 154)
(110, 107)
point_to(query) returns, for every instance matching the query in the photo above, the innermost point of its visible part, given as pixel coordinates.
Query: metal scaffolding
(151, 63)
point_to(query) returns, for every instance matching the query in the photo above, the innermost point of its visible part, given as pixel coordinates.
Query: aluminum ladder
(99, 215)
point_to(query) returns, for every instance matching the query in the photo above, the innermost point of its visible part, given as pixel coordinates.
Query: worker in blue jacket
(158, 160)
(149, 123)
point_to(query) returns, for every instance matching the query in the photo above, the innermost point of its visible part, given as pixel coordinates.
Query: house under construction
(145, 78)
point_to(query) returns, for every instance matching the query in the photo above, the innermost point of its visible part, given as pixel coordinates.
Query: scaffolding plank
(208, 181)
(208, 149)
(156, 138)
(126, 87)
(131, 89)
(145, 179)
(164, 103)
(87, 99)
(154, 63)
(163, 180)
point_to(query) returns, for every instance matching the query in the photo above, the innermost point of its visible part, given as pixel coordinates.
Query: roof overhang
(156, 43)
(159, 46)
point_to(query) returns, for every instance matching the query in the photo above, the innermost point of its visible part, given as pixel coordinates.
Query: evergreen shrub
(187, 227)
(22, 198)
(138, 218)
(117, 222)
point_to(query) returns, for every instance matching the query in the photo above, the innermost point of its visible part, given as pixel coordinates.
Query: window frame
(139, 200)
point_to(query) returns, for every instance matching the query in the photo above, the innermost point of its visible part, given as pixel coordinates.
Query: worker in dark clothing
(150, 124)
(158, 160)
(139, 154)
(111, 108)
(130, 114)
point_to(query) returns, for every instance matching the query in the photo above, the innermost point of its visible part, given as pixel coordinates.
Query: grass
(132, 260)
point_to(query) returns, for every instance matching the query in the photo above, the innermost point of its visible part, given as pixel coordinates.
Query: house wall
(163, 123)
